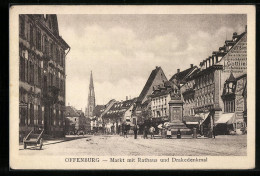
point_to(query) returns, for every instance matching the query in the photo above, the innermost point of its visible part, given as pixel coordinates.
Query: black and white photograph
(132, 87)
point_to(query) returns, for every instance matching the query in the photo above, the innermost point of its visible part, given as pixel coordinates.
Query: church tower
(91, 98)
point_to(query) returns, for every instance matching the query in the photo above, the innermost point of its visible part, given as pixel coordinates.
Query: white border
(57, 162)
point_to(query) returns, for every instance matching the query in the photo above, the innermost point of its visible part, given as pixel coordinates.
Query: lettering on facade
(236, 60)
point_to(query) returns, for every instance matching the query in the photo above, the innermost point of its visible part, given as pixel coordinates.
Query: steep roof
(71, 112)
(119, 108)
(149, 83)
(231, 78)
(183, 74)
(98, 110)
(164, 89)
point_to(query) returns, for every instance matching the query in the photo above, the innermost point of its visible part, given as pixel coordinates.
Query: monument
(176, 113)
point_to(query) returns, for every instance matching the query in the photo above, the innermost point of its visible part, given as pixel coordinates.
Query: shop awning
(204, 116)
(226, 118)
(192, 120)
(192, 123)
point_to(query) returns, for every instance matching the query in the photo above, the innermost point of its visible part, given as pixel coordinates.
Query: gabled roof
(168, 86)
(149, 83)
(71, 112)
(98, 110)
(183, 74)
(119, 108)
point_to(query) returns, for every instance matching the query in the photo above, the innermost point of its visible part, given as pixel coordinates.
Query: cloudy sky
(122, 50)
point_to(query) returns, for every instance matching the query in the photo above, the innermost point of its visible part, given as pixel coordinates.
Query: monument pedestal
(176, 114)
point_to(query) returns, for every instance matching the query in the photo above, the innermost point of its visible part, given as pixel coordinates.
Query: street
(114, 145)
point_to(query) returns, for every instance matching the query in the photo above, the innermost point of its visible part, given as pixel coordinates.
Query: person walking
(152, 129)
(168, 133)
(125, 133)
(135, 132)
(145, 132)
(214, 131)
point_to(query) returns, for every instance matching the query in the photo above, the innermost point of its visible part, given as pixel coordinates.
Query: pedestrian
(214, 131)
(145, 132)
(179, 134)
(168, 133)
(125, 133)
(152, 129)
(135, 132)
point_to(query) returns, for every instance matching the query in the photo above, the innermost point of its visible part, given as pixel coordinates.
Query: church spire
(91, 98)
(91, 85)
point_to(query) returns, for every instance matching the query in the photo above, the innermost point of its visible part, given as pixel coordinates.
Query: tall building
(42, 73)
(215, 91)
(91, 98)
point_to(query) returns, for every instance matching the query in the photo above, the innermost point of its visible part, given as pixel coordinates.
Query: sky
(122, 50)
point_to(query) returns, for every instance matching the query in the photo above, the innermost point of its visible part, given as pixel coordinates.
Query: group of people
(151, 131)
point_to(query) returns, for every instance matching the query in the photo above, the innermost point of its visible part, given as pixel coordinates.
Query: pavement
(115, 145)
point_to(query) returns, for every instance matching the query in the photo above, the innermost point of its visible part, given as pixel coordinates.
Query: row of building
(211, 95)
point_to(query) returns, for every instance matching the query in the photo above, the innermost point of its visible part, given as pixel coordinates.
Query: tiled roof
(119, 108)
(98, 110)
(182, 75)
(160, 93)
(71, 112)
(148, 84)
(165, 89)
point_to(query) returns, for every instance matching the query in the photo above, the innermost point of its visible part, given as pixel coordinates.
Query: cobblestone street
(120, 146)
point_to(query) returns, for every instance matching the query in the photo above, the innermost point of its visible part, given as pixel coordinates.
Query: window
(22, 115)
(229, 106)
(62, 59)
(57, 56)
(31, 113)
(31, 72)
(46, 46)
(38, 40)
(21, 26)
(51, 49)
(31, 34)
(22, 69)
(39, 115)
(39, 76)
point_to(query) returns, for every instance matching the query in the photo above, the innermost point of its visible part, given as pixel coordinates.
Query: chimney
(68, 104)
(246, 28)
(126, 98)
(191, 65)
(178, 70)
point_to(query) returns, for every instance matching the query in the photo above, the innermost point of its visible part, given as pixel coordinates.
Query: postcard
(132, 87)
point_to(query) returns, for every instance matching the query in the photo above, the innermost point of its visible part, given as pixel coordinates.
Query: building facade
(119, 115)
(42, 73)
(208, 86)
(160, 98)
(142, 110)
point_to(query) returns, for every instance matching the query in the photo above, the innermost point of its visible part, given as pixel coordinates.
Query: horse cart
(33, 138)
